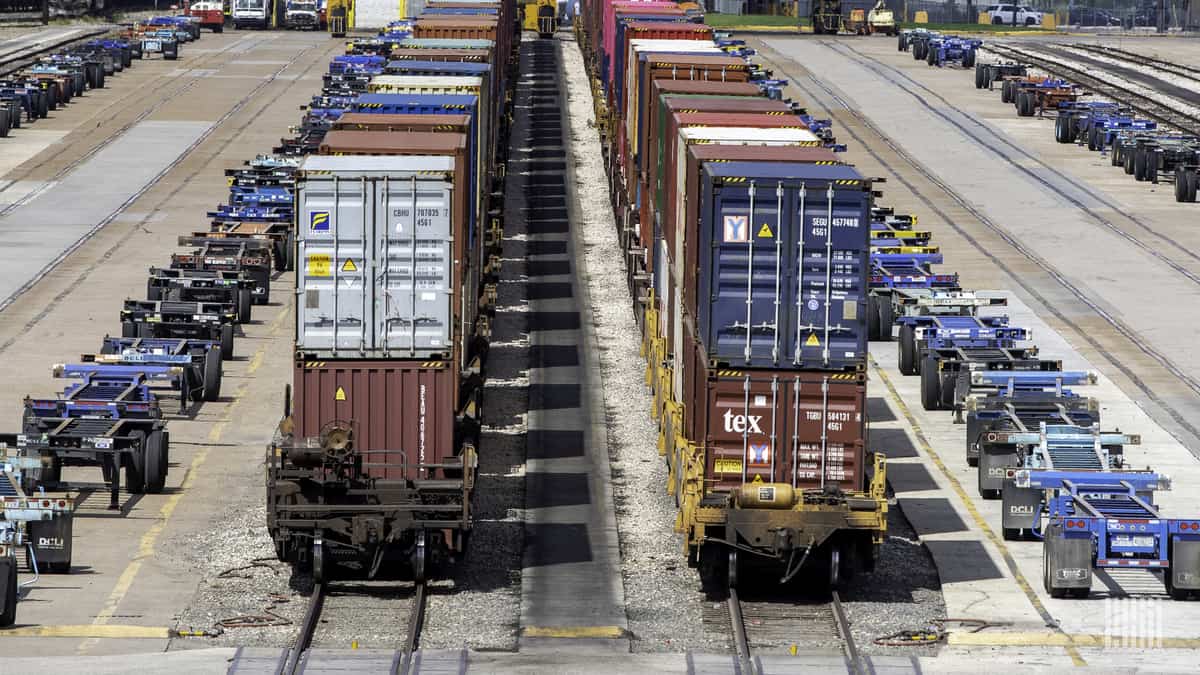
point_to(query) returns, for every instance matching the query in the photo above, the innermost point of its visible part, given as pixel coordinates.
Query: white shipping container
(376, 273)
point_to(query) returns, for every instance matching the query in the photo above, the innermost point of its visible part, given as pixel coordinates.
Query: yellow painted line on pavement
(978, 518)
(150, 538)
(89, 631)
(573, 632)
(1049, 639)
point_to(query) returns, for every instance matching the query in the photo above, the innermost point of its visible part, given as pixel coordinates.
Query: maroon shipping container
(373, 122)
(776, 426)
(402, 413)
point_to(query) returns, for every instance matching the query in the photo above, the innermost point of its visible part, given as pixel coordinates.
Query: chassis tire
(969, 59)
(873, 317)
(1060, 129)
(212, 374)
(154, 462)
(978, 77)
(887, 318)
(908, 350)
(1141, 166)
(227, 342)
(135, 466)
(1181, 185)
(245, 301)
(1006, 89)
(290, 252)
(900, 44)
(1127, 161)
(1193, 182)
(931, 385)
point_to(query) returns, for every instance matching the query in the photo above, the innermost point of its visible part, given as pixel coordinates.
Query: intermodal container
(381, 257)
(440, 55)
(614, 33)
(807, 429)
(367, 122)
(402, 412)
(431, 67)
(688, 120)
(782, 274)
(629, 33)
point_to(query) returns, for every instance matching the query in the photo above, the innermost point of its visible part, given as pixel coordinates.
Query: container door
(745, 425)
(826, 434)
(746, 274)
(335, 221)
(828, 329)
(414, 281)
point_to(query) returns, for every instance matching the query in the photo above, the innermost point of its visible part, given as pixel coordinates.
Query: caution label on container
(339, 395)
(349, 266)
(812, 341)
(765, 231)
(320, 265)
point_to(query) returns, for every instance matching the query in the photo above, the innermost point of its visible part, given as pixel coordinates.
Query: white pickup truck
(1014, 15)
(302, 14)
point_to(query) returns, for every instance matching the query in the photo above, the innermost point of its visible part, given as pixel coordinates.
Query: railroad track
(797, 627)
(1178, 69)
(1154, 109)
(11, 62)
(298, 655)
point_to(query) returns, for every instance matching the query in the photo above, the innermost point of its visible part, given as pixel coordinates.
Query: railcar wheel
(419, 557)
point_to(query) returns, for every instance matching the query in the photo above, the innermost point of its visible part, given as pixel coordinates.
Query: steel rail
(312, 616)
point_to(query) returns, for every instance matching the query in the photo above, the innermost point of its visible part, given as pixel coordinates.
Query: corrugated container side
(402, 412)
(460, 124)
(784, 257)
(678, 120)
(656, 66)
(449, 55)
(777, 426)
(382, 263)
(655, 140)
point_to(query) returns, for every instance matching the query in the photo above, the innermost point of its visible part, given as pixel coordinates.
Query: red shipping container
(402, 413)
(776, 426)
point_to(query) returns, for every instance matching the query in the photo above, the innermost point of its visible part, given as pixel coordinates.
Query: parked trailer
(1041, 95)
(250, 257)
(952, 49)
(986, 74)
(1107, 520)
(41, 525)
(193, 366)
(110, 420)
(1018, 400)
(232, 290)
(280, 234)
(167, 319)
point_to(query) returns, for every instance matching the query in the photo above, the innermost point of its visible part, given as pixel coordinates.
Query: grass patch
(974, 28)
(742, 20)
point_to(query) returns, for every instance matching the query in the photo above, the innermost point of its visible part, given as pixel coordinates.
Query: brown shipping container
(466, 27)
(372, 122)
(464, 55)
(406, 408)
(777, 426)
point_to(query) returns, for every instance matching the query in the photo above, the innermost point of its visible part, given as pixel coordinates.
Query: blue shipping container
(784, 256)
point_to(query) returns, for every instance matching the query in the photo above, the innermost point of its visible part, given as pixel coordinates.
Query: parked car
(1090, 16)
(1015, 15)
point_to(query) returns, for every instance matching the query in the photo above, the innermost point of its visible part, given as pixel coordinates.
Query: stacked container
(397, 238)
(748, 260)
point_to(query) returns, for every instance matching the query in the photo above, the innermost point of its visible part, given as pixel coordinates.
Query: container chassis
(231, 289)
(190, 367)
(952, 49)
(1106, 519)
(166, 319)
(107, 420)
(251, 257)
(988, 73)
